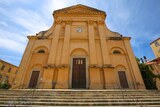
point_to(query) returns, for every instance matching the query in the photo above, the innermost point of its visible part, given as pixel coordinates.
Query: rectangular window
(2, 68)
(9, 70)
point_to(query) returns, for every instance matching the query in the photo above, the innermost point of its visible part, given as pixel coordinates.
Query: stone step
(70, 90)
(30, 97)
(51, 93)
(80, 100)
(80, 106)
(84, 97)
(78, 103)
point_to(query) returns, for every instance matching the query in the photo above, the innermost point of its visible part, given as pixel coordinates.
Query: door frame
(39, 78)
(126, 79)
(71, 70)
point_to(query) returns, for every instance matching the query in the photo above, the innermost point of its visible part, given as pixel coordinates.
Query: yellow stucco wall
(10, 74)
(155, 45)
(79, 32)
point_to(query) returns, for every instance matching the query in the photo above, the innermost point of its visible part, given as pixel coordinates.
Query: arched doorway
(34, 79)
(79, 69)
(121, 70)
(79, 73)
(35, 76)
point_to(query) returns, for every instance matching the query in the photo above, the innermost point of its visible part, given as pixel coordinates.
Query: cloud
(3, 24)
(11, 45)
(26, 21)
(9, 2)
(30, 20)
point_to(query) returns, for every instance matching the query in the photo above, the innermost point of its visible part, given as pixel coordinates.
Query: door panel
(79, 73)
(34, 79)
(123, 79)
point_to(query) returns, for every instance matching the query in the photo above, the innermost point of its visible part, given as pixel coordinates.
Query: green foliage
(5, 86)
(147, 75)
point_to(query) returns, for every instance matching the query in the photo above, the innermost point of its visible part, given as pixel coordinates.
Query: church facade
(79, 52)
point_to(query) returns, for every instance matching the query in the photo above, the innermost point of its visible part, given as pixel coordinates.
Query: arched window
(41, 51)
(116, 52)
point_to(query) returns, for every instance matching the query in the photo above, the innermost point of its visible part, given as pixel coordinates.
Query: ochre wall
(155, 45)
(63, 42)
(6, 73)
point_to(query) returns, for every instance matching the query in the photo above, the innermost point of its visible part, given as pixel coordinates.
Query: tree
(148, 77)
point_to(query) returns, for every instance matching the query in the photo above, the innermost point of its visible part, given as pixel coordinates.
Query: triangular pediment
(79, 9)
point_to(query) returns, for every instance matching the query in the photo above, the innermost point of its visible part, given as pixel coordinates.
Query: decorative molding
(114, 38)
(64, 22)
(107, 66)
(126, 38)
(80, 9)
(55, 67)
(68, 22)
(94, 66)
(31, 37)
(100, 22)
(58, 21)
(90, 22)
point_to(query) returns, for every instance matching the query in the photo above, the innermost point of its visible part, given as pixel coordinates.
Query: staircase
(67, 97)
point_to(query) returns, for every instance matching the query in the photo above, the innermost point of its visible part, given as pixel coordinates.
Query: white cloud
(2, 23)
(12, 45)
(30, 20)
(8, 2)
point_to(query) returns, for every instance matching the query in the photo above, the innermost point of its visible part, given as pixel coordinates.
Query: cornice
(31, 37)
(68, 22)
(79, 10)
(100, 22)
(90, 22)
(58, 21)
(126, 38)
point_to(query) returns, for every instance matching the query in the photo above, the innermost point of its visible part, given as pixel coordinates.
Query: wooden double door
(123, 79)
(34, 79)
(79, 73)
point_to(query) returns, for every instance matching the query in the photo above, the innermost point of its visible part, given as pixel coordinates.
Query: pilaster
(54, 45)
(24, 63)
(105, 53)
(134, 66)
(66, 44)
(92, 47)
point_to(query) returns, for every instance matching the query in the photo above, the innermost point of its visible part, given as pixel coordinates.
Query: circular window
(79, 29)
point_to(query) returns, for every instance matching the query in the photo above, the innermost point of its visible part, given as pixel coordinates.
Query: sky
(139, 19)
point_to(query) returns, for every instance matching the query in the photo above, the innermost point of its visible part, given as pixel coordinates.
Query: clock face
(79, 30)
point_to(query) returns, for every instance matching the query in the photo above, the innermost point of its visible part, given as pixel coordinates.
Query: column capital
(90, 22)
(100, 22)
(58, 21)
(68, 22)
